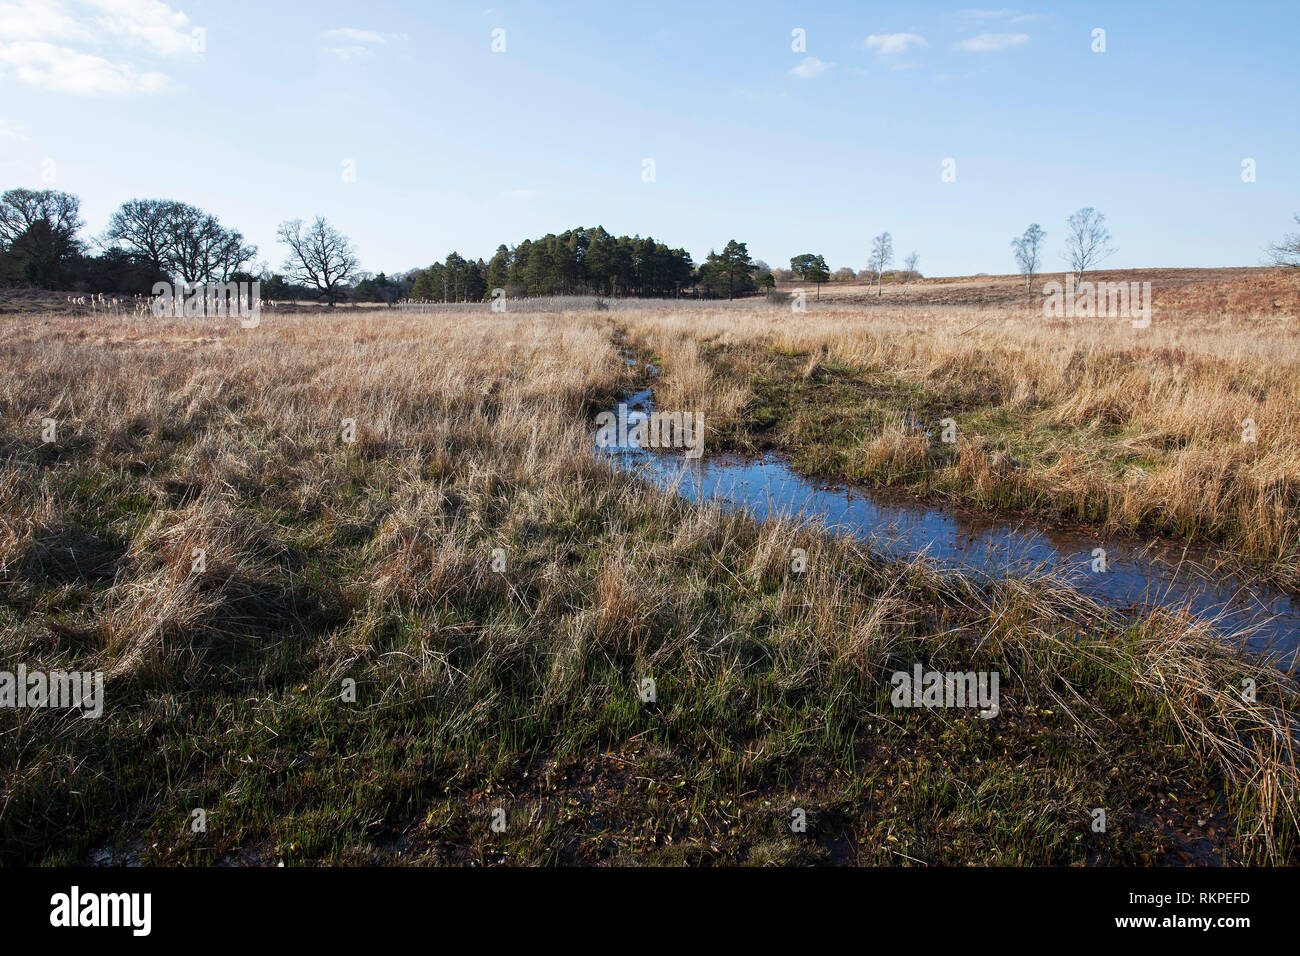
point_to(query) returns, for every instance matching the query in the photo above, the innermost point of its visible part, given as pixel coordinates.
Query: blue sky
(458, 147)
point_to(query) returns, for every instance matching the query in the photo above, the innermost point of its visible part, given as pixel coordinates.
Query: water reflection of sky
(1158, 574)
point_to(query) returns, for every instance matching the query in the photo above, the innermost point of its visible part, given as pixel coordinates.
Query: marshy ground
(500, 595)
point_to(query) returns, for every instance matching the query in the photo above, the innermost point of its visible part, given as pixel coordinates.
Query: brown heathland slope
(1193, 292)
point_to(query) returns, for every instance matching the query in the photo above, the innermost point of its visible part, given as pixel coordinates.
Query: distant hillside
(1236, 291)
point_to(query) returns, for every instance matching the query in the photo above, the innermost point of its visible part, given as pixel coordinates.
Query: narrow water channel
(1138, 573)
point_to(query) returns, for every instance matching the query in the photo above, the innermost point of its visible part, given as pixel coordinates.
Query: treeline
(162, 240)
(576, 262)
(154, 240)
(158, 240)
(41, 246)
(591, 261)
(147, 241)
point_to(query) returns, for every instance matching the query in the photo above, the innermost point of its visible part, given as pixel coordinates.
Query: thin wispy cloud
(993, 42)
(357, 44)
(891, 44)
(353, 35)
(350, 52)
(92, 46)
(811, 66)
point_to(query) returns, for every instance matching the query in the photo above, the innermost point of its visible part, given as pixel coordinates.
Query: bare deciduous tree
(203, 250)
(882, 254)
(231, 254)
(1028, 250)
(1087, 241)
(41, 228)
(192, 236)
(319, 255)
(20, 209)
(909, 265)
(1287, 251)
(177, 239)
(143, 228)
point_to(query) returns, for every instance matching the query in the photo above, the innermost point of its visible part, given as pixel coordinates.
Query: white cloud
(992, 42)
(147, 23)
(80, 46)
(61, 69)
(886, 44)
(39, 20)
(811, 66)
(357, 44)
(355, 36)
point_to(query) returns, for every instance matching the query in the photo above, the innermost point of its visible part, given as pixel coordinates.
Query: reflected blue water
(1138, 573)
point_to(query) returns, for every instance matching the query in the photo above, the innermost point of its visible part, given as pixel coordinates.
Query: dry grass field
(498, 593)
